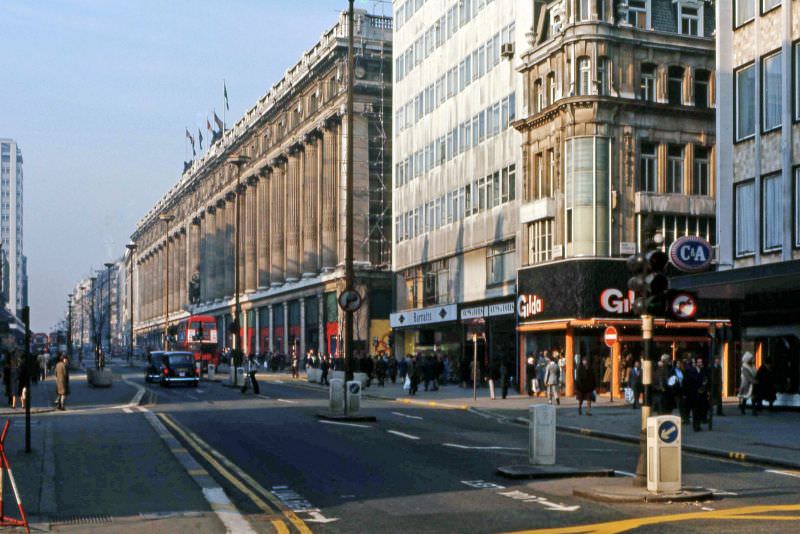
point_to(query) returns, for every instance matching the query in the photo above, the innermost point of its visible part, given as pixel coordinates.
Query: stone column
(262, 214)
(321, 321)
(174, 271)
(302, 347)
(251, 236)
(194, 260)
(209, 262)
(277, 184)
(293, 234)
(310, 226)
(271, 340)
(331, 196)
(182, 297)
(286, 348)
(230, 244)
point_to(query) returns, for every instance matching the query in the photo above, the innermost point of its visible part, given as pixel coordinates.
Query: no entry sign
(610, 336)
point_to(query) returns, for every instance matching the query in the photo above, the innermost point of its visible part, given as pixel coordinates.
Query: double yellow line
(243, 482)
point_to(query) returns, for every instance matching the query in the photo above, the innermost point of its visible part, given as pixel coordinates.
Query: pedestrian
(13, 379)
(295, 365)
(661, 398)
(380, 370)
(584, 386)
(530, 373)
(635, 382)
(438, 371)
(552, 376)
(504, 374)
(368, 367)
(696, 384)
(413, 374)
(44, 361)
(402, 369)
(541, 367)
(23, 375)
(607, 372)
(716, 386)
(392, 364)
(765, 387)
(747, 383)
(62, 382)
(325, 364)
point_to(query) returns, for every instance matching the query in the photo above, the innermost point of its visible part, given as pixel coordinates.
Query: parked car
(153, 372)
(178, 368)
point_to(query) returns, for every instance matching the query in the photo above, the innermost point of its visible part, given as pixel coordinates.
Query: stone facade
(289, 196)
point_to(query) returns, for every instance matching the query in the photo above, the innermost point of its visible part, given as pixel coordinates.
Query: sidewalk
(770, 439)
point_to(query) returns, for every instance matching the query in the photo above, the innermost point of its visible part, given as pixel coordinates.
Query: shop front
(487, 337)
(564, 309)
(428, 330)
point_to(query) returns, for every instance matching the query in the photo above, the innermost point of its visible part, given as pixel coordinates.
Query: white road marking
(344, 424)
(264, 397)
(706, 508)
(299, 504)
(721, 492)
(287, 401)
(795, 474)
(402, 434)
(527, 497)
(624, 473)
(483, 448)
(481, 484)
(407, 416)
(127, 410)
(198, 390)
(192, 396)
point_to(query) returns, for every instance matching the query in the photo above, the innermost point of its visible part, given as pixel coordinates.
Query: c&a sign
(529, 306)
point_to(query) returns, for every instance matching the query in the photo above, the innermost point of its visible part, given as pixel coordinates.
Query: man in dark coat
(325, 364)
(504, 377)
(380, 370)
(635, 382)
(696, 388)
(765, 387)
(716, 386)
(413, 373)
(584, 386)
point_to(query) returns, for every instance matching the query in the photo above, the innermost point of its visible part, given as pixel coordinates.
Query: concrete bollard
(212, 371)
(542, 434)
(336, 395)
(353, 399)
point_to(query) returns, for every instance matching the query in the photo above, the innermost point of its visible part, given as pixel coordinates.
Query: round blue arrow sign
(691, 254)
(668, 432)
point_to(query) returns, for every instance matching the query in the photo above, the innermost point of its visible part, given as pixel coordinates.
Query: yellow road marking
(198, 472)
(745, 513)
(432, 404)
(212, 455)
(280, 526)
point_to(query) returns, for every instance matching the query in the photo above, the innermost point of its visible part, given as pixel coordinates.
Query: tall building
(457, 166)
(758, 162)
(11, 224)
(618, 140)
(290, 199)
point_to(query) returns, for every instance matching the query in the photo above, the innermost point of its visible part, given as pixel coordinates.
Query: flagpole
(224, 88)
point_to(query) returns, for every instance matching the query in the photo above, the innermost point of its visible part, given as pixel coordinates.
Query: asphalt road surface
(421, 469)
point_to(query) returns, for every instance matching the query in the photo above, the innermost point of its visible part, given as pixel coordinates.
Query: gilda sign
(529, 306)
(613, 300)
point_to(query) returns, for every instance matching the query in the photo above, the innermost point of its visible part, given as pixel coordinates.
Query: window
(542, 185)
(601, 9)
(587, 196)
(766, 5)
(745, 206)
(745, 79)
(701, 78)
(648, 167)
(675, 226)
(701, 184)
(584, 76)
(689, 20)
(638, 13)
(675, 169)
(647, 88)
(538, 95)
(771, 213)
(675, 86)
(501, 264)
(584, 11)
(797, 207)
(551, 88)
(771, 92)
(745, 11)
(602, 76)
(540, 241)
(797, 81)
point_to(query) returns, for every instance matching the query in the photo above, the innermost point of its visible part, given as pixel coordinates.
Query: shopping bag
(629, 395)
(407, 383)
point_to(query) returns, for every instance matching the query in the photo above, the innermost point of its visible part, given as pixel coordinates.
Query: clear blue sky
(98, 92)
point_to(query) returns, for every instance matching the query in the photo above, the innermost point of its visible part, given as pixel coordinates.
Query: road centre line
(213, 494)
(215, 458)
(483, 448)
(402, 434)
(795, 474)
(324, 422)
(399, 414)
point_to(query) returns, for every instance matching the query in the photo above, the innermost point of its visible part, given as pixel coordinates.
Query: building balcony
(672, 203)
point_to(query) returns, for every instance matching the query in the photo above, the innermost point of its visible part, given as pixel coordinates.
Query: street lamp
(92, 325)
(108, 265)
(238, 162)
(167, 218)
(131, 246)
(348, 249)
(69, 326)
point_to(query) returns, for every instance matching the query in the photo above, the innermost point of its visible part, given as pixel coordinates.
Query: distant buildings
(14, 263)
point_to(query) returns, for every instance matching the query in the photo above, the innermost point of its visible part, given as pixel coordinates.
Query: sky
(98, 94)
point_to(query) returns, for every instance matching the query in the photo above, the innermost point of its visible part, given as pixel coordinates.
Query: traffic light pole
(647, 381)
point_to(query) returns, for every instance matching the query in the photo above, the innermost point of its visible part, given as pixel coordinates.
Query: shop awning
(736, 284)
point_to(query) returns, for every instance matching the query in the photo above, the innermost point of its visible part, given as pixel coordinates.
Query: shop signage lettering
(529, 306)
(490, 310)
(691, 254)
(437, 314)
(615, 301)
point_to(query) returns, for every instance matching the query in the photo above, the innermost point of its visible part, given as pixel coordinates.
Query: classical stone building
(618, 127)
(290, 193)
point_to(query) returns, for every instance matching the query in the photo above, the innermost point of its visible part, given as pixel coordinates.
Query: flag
(225, 92)
(200, 136)
(191, 140)
(208, 125)
(219, 122)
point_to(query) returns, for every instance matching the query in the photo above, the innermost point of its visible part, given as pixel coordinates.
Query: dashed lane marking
(356, 425)
(399, 414)
(287, 401)
(402, 434)
(744, 513)
(483, 447)
(795, 474)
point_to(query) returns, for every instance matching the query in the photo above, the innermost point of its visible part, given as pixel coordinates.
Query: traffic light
(649, 282)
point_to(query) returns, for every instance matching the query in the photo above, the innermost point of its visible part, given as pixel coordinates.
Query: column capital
(253, 179)
(230, 196)
(331, 121)
(265, 170)
(296, 146)
(211, 209)
(196, 220)
(278, 160)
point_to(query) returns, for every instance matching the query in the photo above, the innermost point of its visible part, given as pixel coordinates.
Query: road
(427, 470)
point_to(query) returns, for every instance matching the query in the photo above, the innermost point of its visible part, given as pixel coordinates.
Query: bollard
(336, 395)
(664, 453)
(353, 398)
(212, 371)
(542, 434)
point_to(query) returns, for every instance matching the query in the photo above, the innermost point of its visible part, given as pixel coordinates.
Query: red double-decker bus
(198, 334)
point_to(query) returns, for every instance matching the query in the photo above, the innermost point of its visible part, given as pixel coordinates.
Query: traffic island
(526, 471)
(349, 418)
(345, 403)
(99, 378)
(623, 491)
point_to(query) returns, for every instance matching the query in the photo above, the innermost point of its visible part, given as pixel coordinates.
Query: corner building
(291, 199)
(457, 162)
(618, 128)
(758, 129)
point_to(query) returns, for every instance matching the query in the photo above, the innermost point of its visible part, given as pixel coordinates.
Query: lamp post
(83, 328)
(92, 325)
(69, 326)
(108, 265)
(131, 246)
(348, 249)
(167, 218)
(238, 162)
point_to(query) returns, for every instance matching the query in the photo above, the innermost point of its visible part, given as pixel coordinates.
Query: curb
(735, 456)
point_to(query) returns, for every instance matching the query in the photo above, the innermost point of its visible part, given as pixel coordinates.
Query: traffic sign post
(610, 336)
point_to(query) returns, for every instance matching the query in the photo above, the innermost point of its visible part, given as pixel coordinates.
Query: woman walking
(584, 386)
(747, 383)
